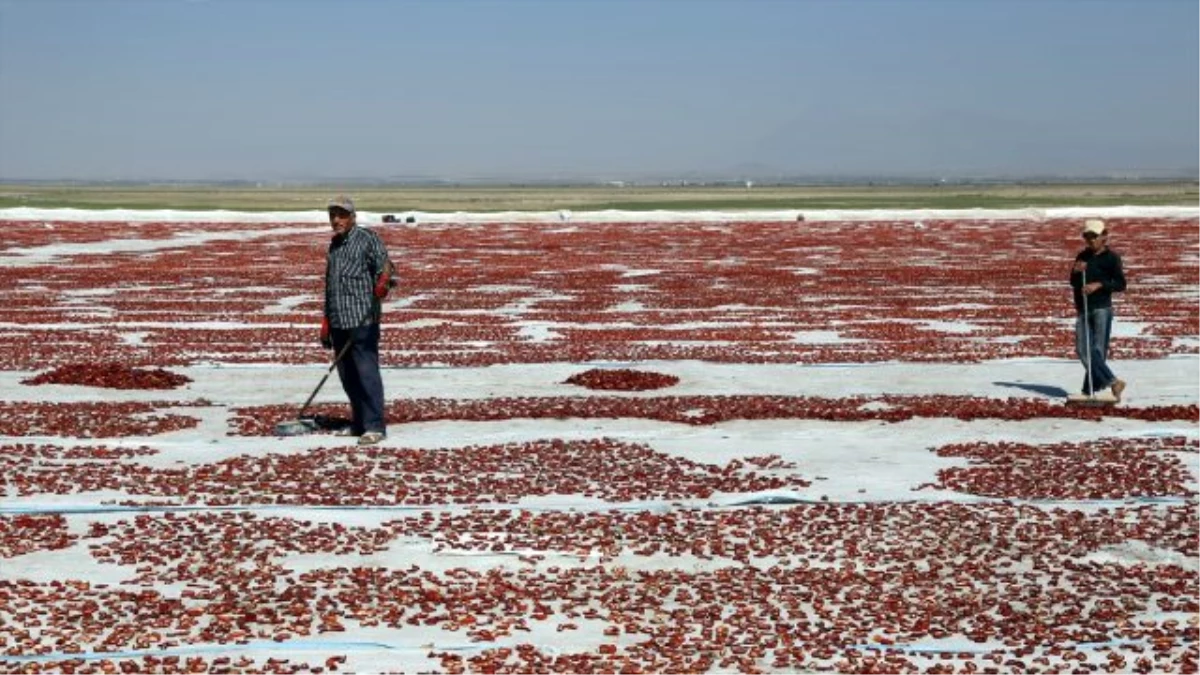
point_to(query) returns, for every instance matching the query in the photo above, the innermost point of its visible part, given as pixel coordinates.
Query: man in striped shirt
(358, 276)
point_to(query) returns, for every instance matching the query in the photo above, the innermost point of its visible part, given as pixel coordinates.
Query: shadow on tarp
(957, 647)
(773, 499)
(638, 507)
(301, 646)
(243, 647)
(330, 422)
(1043, 389)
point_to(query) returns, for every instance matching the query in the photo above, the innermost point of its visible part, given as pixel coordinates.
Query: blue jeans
(1099, 327)
(359, 372)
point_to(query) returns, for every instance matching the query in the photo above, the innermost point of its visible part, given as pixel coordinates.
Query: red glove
(326, 340)
(385, 282)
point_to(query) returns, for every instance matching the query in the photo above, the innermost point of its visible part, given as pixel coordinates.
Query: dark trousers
(359, 372)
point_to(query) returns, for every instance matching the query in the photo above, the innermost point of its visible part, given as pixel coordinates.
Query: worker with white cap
(358, 276)
(1096, 275)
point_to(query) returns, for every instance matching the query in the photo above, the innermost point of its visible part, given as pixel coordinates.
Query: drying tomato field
(634, 447)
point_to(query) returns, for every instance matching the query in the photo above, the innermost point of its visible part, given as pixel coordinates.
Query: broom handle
(1087, 334)
(340, 354)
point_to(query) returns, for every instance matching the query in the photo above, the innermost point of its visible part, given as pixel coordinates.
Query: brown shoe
(1117, 388)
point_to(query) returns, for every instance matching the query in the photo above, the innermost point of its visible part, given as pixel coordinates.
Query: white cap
(1094, 226)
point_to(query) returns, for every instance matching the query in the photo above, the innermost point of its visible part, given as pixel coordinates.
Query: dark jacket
(1104, 267)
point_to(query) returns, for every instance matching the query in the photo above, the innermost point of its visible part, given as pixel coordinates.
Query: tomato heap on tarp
(111, 376)
(622, 379)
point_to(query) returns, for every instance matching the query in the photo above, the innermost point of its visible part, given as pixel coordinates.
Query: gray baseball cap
(341, 202)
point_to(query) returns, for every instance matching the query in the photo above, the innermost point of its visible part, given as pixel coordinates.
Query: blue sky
(616, 89)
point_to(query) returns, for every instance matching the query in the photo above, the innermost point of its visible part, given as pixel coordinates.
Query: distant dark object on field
(799, 217)
(391, 218)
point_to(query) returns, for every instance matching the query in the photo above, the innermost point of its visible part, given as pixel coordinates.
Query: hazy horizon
(211, 90)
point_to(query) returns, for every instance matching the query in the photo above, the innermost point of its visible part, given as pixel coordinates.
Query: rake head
(296, 427)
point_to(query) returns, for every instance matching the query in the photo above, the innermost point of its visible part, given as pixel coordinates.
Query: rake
(303, 424)
(1091, 398)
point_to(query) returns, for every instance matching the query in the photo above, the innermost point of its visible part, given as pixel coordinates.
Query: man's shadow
(1043, 389)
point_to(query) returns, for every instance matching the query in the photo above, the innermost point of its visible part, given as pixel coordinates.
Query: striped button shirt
(351, 268)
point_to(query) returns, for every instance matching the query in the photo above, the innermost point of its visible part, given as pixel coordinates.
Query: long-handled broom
(1089, 399)
(302, 424)
(1087, 334)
